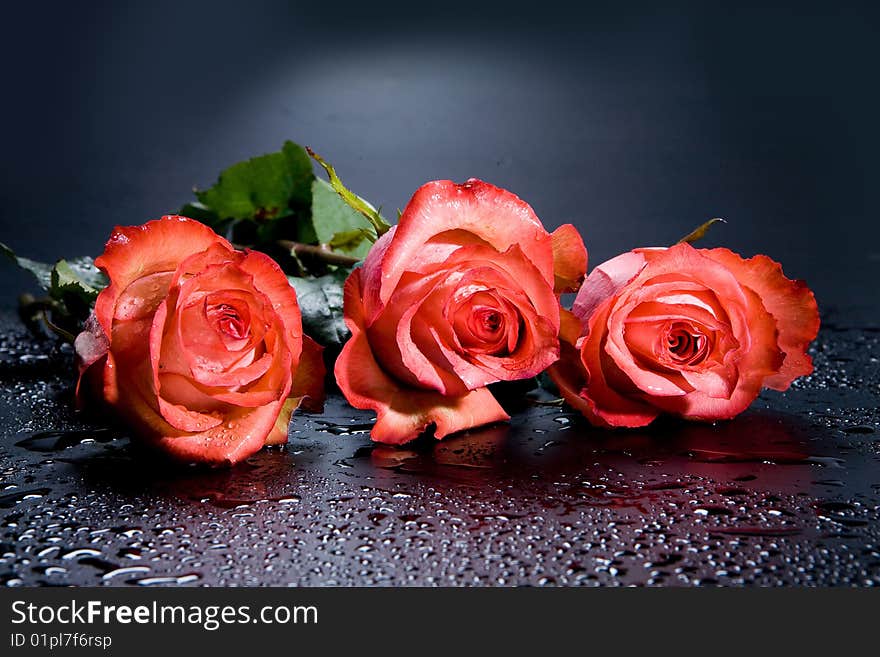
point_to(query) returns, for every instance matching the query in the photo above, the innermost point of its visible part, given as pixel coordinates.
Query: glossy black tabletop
(789, 492)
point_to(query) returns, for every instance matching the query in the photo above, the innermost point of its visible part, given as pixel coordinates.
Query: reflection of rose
(691, 332)
(195, 344)
(458, 295)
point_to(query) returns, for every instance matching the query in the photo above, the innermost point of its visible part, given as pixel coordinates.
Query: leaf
(72, 286)
(352, 241)
(78, 277)
(700, 231)
(199, 212)
(85, 269)
(263, 188)
(338, 224)
(356, 202)
(320, 302)
(41, 270)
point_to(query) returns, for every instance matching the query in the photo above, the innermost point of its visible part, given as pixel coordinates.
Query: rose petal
(790, 302)
(151, 252)
(176, 414)
(569, 259)
(91, 346)
(469, 317)
(536, 349)
(589, 393)
(393, 336)
(211, 372)
(404, 341)
(214, 369)
(281, 429)
(136, 252)
(402, 412)
(193, 339)
(247, 313)
(493, 215)
(308, 377)
(568, 372)
(606, 406)
(239, 435)
(307, 391)
(237, 438)
(522, 274)
(758, 358)
(272, 282)
(662, 277)
(140, 299)
(519, 284)
(605, 281)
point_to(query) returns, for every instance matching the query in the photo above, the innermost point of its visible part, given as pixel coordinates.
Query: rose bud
(690, 332)
(197, 346)
(460, 294)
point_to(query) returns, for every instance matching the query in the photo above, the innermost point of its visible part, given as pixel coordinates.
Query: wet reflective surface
(787, 493)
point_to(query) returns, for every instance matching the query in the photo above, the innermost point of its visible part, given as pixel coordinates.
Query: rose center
(485, 324)
(490, 321)
(687, 345)
(229, 322)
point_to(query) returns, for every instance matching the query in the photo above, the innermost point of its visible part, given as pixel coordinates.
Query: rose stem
(318, 253)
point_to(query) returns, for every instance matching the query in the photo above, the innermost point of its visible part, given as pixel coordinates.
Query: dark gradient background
(634, 123)
(637, 124)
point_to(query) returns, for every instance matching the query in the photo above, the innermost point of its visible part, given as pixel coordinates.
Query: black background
(635, 123)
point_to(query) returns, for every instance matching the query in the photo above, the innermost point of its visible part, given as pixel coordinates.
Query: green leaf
(305, 233)
(263, 188)
(77, 277)
(352, 241)
(356, 202)
(72, 286)
(338, 224)
(200, 212)
(320, 302)
(85, 270)
(700, 231)
(41, 270)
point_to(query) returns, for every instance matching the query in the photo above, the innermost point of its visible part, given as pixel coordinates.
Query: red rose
(690, 332)
(458, 295)
(198, 346)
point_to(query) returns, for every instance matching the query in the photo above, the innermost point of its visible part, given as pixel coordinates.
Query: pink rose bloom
(690, 332)
(197, 346)
(460, 294)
